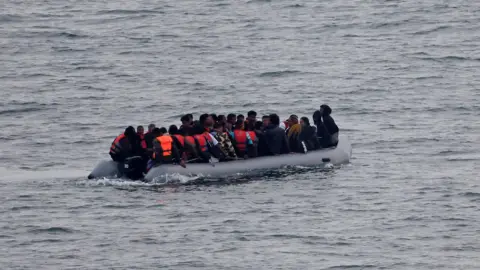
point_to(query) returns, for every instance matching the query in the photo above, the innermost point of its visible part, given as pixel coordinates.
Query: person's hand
(182, 163)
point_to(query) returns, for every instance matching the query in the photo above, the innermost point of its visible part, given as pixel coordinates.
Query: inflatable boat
(338, 155)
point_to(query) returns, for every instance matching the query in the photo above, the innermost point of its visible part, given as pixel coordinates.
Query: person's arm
(176, 155)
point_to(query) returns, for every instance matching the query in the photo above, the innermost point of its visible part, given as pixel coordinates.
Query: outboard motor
(133, 167)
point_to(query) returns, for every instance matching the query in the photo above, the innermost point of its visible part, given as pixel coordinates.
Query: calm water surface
(401, 77)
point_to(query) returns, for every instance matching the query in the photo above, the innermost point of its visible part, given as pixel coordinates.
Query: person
(231, 120)
(214, 117)
(239, 124)
(222, 119)
(241, 118)
(206, 145)
(208, 123)
(129, 155)
(141, 137)
(265, 121)
(125, 145)
(308, 135)
(262, 148)
(165, 151)
(323, 136)
(293, 133)
(185, 121)
(224, 142)
(149, 137)
(251, 120)
(329, 123)
(241, 140)
(276, 138)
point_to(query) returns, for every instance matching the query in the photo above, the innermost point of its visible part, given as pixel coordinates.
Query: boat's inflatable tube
(336, 156)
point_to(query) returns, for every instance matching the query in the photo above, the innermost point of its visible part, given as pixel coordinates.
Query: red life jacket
(117, 144)
(202, 141)
(240, 140)
(253, 136)
(180, 139)
(143, 143)
(190, 140)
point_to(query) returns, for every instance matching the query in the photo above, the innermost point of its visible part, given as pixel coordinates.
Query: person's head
(258, 125)
(325, 109)
(252, 116)
(202, 118)
(240, 117)
(130, 132)
(265, 120)
(190, 117)
(209, 121)
(304, 121)
(293, 120)
(185, 120)
(218, 127)
(231, 118)
(221, 118)
(238, 125)
(163, 130)
(214, 117)
(156, 132)
(172, 130)
(151, 127)
(274, 119)
(140, 130)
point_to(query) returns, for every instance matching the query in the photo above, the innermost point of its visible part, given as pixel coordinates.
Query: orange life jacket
(180, 139)
(240, 140)
(116, 145)
(165, 142)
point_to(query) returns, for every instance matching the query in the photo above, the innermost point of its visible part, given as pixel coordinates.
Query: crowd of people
(225, 138)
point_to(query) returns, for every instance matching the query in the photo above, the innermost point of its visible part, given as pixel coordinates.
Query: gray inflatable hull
(336, 156)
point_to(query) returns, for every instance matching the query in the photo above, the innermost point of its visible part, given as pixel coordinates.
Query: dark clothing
(262, 147)
(324, 137)
(124, 147)
(149, 140)
(276, 141)
(309, 137)
(330, 124)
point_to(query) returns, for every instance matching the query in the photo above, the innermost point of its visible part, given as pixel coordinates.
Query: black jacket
(149, 140)
(276, 140)
(262, 143)
(309, 137)
(330, 124)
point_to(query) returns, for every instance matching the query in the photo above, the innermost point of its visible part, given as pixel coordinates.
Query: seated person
(308, 135)
(242, 140)
(293, 134)
(125, 145)
(224, 141)
(165, 151)
(332, 128)
(276, 138)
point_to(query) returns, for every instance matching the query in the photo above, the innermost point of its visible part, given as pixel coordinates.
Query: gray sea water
(402, 78)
